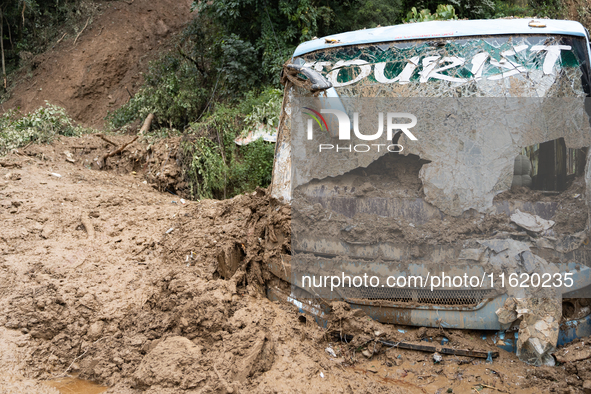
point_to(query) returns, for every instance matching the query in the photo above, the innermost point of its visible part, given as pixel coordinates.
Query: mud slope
(105, 278)
(91, 77)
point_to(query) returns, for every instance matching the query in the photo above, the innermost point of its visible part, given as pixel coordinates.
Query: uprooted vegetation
(202, 162)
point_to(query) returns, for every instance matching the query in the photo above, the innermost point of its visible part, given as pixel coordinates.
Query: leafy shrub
(173, 91)
(204, 168)
(206, 67)
(443, 12)
(273, 27)
(360, 14)
(548, 8)
(40, 126)
(213, 165)
(264, 110)
(505, 8)
(474, 9)
(255, 166)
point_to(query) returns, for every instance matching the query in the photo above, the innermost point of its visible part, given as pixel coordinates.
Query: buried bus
(481, 220)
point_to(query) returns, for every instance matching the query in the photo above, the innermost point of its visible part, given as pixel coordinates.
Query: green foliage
(471, 9)
(272, 27)
(367, 14)
(443, 12)
(255, 167)
(474, 9)
(206, 67)
(547, 8)
(40, 126)
(508, 8)
(30, 26)
(214, 166)
(266, 112)
(204, 168)
(173, 91)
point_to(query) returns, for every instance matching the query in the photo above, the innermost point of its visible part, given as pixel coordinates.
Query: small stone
(95, 330)
(372, 369)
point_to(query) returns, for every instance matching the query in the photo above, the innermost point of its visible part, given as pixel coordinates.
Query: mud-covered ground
(106, 278)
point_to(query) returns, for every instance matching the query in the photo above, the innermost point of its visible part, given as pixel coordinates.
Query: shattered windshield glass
(492, 66)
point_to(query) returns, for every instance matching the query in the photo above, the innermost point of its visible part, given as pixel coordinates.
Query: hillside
(104, 66)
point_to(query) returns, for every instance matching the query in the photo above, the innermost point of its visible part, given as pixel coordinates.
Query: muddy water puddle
(76, 386)
(422, 377)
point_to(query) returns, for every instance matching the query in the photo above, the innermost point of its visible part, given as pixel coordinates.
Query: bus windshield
(483, 66)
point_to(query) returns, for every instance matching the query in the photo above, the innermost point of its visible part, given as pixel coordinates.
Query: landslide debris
(134, 309)
(99, 71)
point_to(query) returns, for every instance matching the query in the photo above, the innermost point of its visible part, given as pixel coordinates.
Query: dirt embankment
(98, 73)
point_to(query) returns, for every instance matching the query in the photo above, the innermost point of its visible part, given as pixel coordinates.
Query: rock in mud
(175, 361)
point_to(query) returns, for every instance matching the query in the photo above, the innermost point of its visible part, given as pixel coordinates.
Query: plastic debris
(322, 375)
(437, 358)
(444, 341)
(55, 174)
(261, 131)
(489, 359)
(538, 330)
(330, 352)
(69, 157)
(169, 230)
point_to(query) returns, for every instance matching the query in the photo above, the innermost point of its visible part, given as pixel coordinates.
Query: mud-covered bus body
(455, 59)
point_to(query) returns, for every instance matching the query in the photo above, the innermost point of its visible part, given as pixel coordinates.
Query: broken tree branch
(189, 58)
(102, 137)
(429, 349)
(147, 123)
(76, 39)
(58, 41)
(7, 164)
(444, 350)
(103, 161)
